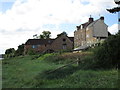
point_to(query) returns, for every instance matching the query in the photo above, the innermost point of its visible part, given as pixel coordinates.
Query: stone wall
(60, 43)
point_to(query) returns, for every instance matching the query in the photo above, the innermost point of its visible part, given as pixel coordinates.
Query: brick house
(90, 33)
(63, 42)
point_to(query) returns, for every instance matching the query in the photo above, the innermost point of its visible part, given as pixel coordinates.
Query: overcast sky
(21, 19)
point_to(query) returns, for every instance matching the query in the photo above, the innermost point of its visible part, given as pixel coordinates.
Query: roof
(43, 41)
(82, 47)
(84, 25)
(39, 41)
(71, 38)
(91, 24)
(86, 46)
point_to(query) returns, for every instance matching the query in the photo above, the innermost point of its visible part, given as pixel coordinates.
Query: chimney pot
(91, 19)
(102, 18)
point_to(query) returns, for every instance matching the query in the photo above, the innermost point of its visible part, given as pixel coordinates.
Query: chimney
(91, 19)
(102, 18)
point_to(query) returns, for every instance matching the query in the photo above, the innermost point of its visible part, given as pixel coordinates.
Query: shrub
(20, 50)
(10, 53)
(31, 52)
(107, 55)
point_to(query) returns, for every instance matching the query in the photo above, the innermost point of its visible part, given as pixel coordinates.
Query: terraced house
(89, 33)
(62, 42)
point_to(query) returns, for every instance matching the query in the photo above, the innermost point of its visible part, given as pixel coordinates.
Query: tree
(107, 55)
(45, 35)
(35, 36)
(115, 9)
(10, 52)
(20, 50)
(63, 33)
(41, 37)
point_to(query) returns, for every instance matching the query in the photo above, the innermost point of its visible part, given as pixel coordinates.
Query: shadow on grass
(58, 74)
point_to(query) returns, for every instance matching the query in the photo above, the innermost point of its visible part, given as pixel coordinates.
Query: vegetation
(31, 72)
(31, 52)
(44, 35)
(10, 52)
(115, 9)
(107, 55)
(20, 50)
(63, 33)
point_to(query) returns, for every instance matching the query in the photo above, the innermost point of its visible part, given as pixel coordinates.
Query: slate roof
(43, 41)
(86, 46)
(39, 41)
(91, 24)
(85, 25)
(71, 38)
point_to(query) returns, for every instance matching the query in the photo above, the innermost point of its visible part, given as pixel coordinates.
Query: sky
(21, 19)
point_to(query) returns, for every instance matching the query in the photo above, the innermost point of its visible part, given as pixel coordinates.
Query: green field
(32, 72)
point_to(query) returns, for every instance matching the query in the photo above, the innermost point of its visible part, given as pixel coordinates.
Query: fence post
(78, 61)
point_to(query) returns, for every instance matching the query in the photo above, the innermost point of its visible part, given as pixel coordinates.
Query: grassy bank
(32, 72)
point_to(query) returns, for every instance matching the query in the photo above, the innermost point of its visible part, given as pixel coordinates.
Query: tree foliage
(63, 33)
(114, 10)
(107, 55)
(45, 35)
(10, 52)
(20, 50)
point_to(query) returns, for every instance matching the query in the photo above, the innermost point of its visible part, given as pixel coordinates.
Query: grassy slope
(24, 72)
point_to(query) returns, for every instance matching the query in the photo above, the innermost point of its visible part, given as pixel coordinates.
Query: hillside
(33, 72)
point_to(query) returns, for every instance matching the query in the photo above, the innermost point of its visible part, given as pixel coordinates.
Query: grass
(28, 72)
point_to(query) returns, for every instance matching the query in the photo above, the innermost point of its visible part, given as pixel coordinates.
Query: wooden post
(78, 61)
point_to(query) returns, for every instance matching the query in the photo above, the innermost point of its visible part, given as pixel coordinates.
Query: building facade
(90, 32)
(63, 42)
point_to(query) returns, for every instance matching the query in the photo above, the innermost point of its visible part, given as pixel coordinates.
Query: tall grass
(32, 72)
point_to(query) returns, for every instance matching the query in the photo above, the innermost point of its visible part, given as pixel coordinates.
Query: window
(64, 46)
(87, 36)
(49, 41)
(87, 29)
(34, 46)
(81, 26)
(64, 39)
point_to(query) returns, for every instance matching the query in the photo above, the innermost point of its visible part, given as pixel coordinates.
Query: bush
(20, 50)
(107, 55)
(31, 52)
(10, 53)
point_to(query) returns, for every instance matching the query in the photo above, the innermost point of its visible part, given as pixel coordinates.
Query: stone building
(62, 42)
(90, 33)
